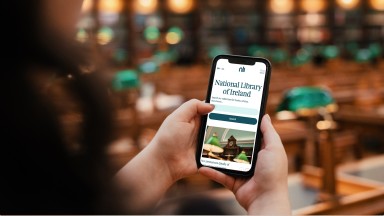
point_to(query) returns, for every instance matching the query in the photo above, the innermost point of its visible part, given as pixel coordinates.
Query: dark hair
(39, 172)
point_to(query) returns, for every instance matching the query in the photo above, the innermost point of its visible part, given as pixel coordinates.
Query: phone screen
(231, 129)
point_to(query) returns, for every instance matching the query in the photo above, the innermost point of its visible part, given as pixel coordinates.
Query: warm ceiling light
(180, 6)
(348, 4)
(110, 6)
(313, 6)
(281, 6)
(377, 4)
(145, 6)
(87, 6)
(314, 19)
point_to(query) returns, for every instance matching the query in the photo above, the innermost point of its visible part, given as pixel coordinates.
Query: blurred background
(157, 55)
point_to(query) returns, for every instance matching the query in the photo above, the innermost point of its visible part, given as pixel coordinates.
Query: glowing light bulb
(111, 6)
(87, 5)
(377, 4)
(180, 6)
(348, 4)
(145, 6)
(312, 6)
(282, 6)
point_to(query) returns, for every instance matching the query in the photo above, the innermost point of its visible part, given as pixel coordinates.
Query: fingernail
(268, 117)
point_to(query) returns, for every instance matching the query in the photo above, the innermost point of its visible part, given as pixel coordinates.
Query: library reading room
(95, 98)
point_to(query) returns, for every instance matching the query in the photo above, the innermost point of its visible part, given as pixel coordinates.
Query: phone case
(231, 146)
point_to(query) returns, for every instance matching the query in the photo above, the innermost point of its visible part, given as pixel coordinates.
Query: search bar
(237, 110)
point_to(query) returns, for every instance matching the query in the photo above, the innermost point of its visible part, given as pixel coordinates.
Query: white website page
(236, 93)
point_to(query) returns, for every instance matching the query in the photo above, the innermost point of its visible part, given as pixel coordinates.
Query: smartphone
(229, 137)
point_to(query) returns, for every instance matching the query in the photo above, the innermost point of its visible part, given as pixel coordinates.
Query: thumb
(270, 136)
(191, 108)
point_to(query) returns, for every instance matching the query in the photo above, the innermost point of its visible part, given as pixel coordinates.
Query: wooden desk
(367, 122)
(294, 135)
(373, 116)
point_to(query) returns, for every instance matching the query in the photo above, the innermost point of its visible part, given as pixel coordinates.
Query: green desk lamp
(242, 158)
(219, 49)
(316, 105)
(306, 101)
(330, 52)
(125, 79)
(125, 84)
(301, 57)
(213, 145)
(279, 56)
(148, 67)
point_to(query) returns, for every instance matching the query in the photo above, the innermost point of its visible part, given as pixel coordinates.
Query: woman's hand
(266, 192)
(170, 156)
(176, 139)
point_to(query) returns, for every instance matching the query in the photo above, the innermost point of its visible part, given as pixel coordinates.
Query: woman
(40, 172)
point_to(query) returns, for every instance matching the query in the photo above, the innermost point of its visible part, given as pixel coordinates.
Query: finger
(270, 136)
(219, 177)
(189, 109)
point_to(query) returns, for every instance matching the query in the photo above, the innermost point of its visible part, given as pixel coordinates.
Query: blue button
(232, 118)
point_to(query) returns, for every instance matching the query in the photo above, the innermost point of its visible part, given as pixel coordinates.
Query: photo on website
(228, 145)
